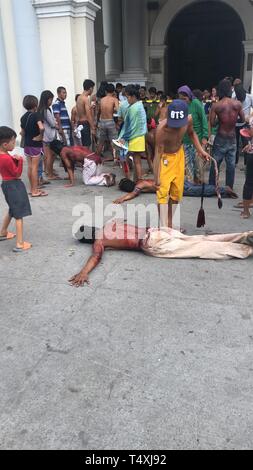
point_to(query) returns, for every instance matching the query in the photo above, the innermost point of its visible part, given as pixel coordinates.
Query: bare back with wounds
(115, 235)
(108, 106)
(227, 111)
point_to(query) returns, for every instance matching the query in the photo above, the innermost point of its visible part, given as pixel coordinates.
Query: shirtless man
(226, 111)
(107, 127)
(84, 113)
(83, 157)
(162, 109)
(149, 186)
(74, 123)
(169, 162)
(160, 243)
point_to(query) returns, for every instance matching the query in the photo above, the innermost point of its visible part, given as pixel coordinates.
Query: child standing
(32, 130)
(13, 189)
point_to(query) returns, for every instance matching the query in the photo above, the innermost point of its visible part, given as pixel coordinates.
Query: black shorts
(17, 199)
(86, 137)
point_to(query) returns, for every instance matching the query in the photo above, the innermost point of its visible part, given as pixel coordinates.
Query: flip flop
(9, 236)
(26, 246)
(41, 194)
(240, 206)
(119, 144)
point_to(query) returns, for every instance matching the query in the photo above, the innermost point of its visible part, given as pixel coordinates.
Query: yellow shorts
(137, 145)
(171, 177)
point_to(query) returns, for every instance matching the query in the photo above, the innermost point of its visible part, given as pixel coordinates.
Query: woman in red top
(13, 189)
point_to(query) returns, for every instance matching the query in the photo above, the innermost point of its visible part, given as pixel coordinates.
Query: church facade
(166, 43)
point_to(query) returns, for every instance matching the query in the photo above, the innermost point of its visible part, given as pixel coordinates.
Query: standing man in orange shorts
(169, 162)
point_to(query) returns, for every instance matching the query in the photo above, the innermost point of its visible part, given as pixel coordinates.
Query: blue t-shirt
(59, 107)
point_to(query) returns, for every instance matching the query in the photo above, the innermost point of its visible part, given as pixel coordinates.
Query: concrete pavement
(155, 354)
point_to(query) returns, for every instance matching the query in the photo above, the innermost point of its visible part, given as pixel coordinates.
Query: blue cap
(177, 114)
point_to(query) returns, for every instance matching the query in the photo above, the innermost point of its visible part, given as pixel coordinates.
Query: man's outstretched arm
(83, 277)
(126, 198)
(69, 166)
(141, 185)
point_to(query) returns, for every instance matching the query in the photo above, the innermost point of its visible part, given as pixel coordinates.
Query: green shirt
(150, 108)
(200, 124)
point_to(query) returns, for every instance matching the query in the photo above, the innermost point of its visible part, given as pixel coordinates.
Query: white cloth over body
(92, 174)
(169, 243)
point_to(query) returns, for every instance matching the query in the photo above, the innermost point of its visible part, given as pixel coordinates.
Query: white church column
(6, 112)
(157, 66)
(28, 47)
(248, 65)
(112, 23)
(67, 43)
(133, 40)
(9, 44)
(100, 45)
(84, 51)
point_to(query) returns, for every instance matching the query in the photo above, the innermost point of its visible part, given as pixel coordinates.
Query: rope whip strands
(201, 221)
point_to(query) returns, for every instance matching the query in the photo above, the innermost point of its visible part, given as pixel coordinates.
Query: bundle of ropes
(201, 222)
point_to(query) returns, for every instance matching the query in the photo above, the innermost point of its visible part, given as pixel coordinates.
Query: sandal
(26, 246)
(40, 194)
(9, 236)
(240, 206)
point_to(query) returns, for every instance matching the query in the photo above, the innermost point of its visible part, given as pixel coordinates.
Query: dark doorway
(204, 45)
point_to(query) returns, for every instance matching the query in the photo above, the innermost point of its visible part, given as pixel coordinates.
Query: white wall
(6, 118)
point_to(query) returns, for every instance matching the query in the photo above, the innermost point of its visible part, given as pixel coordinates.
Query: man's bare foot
(107, 179)
(70, 185)
(21, 247)
(245, 214)
(112, 179)
(231, 193)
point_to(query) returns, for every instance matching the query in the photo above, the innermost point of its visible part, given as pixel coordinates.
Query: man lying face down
(149, 186)
(160, 243)
(90, 161)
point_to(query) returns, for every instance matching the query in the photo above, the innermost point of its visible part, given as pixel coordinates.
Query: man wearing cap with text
(169, 162)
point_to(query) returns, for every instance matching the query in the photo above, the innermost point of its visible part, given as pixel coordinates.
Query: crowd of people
(175, 134)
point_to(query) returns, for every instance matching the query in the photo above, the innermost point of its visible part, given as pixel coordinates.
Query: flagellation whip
(201, 222)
